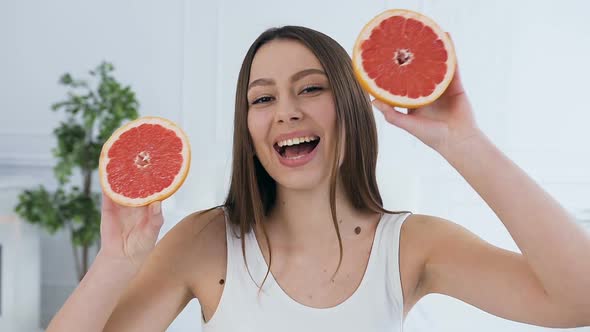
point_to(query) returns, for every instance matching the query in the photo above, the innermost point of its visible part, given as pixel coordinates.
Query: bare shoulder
(416, 231)
(435, 234)
(429, 230)
(418, 235)
(166, 281)
(206, 256)
(425, 241)
(422, 234)
(197, 246)
(427, 227)
(189, 233)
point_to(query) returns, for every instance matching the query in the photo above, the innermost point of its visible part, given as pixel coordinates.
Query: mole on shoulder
(221, 281)
(357, 230)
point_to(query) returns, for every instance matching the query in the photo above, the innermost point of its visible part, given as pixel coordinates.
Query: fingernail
(156, 207)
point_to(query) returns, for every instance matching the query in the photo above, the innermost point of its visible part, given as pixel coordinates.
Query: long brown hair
(252, 192)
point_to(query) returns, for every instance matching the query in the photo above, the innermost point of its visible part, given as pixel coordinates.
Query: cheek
(327, 116)
(258, 126)
(327, 119)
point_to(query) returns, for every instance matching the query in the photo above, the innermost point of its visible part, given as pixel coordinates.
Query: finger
(109, 224)
(154, 219)
(107, 203)
(456, 85)
(155, 210)
(147, 228)
(393, 116)
(382, 106)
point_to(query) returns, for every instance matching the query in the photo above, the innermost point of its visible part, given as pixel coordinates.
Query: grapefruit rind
(158, 196)
(383, 95)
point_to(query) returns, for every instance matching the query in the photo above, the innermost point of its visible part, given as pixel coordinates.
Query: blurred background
(524, 64)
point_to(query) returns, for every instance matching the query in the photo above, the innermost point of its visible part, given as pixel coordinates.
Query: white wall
(522, 63)
(20, 285)
(40, 41)
(523, 66)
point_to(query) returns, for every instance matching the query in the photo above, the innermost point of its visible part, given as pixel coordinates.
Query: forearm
(93, 301)
(552, 243)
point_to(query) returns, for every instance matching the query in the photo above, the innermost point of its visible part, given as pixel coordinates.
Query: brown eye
(262, 100)
(311, 89)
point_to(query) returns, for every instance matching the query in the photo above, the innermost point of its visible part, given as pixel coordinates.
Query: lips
(296, 148)
(299, 159)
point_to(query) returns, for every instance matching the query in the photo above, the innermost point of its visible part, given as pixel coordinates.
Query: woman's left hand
(442, 125)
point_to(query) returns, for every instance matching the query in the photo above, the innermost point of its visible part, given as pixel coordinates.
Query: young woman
(303, 243)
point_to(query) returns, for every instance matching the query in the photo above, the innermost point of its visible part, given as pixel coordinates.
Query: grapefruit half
(404, 58)
(145, 160)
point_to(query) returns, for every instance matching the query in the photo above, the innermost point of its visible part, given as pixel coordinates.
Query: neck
(304, 217)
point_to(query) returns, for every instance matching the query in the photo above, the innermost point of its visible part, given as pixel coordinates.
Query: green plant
(93, 113)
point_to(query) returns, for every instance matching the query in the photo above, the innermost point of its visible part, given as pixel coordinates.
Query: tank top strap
(388, 252)
(247, 270)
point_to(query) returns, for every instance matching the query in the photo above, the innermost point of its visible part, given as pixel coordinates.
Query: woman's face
(291, 114)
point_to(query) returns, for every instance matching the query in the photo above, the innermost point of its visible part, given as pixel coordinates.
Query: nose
(288, 112)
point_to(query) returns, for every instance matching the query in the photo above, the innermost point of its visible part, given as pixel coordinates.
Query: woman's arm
(128, 236)
(93, 301)
(548, 284)
(501, 282)
(553, 244)
(161, 289)
(132, 285)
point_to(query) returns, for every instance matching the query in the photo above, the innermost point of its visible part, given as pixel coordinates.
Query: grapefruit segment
(144, 161)
(404, 58)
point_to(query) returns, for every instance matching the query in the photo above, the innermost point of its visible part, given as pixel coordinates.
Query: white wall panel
(523, 65)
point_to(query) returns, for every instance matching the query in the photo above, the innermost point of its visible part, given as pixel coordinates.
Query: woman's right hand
(129, 233)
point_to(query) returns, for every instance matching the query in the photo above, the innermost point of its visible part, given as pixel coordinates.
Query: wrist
(115, 265)
(467, 145)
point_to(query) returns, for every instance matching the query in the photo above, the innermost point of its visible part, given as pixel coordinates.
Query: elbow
(567, 317)
(584, 322)
(581, 320)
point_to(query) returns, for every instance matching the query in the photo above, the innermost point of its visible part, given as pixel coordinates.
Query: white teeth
(298, 140)
(296, 157)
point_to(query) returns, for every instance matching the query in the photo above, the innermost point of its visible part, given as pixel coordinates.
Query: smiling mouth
(296, 151)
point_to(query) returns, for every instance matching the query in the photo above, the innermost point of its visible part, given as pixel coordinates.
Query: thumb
(155, 219)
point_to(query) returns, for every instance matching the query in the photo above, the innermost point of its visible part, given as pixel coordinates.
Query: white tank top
(375, 306)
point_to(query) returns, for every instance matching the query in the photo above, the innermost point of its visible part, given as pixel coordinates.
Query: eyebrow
(297, 76)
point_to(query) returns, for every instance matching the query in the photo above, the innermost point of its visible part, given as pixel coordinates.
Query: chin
(302, 181)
